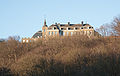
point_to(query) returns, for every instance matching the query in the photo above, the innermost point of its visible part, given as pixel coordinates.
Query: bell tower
(45, 22)
(44, 29)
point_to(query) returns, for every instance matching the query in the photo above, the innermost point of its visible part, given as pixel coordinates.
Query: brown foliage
(62, 56)
(116, 25)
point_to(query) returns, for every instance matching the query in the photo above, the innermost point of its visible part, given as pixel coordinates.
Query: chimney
(68, 23)
(82, 23)
(56, 23)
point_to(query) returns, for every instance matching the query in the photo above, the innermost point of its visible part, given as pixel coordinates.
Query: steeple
(45, 22)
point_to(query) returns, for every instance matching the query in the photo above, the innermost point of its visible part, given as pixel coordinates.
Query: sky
(25, 17)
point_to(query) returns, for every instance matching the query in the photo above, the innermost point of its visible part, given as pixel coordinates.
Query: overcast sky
(25, 17)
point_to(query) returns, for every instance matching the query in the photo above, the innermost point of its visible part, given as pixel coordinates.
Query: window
(23, 40)
(52, 33)
(63, 33)
(26, 40)
(55, 28)
(49, 33)
(76, 28)
(81, 27)
(56, 33)
(37, 36)
(71, 33)
(61, 28)
(30, 41)
(67, 33)
(70, 28)
(90, 27)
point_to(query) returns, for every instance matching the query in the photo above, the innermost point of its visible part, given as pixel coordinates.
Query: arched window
(67, 33)
(55, 32)
(49, 32)
(23, 41)
(71, 33)
(63, 33)
(27, 41)
(52, 33)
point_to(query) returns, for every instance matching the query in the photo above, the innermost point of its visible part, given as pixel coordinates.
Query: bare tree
(104, 30)
(116, 26)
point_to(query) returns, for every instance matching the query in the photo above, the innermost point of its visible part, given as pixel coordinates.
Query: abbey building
(58, 29)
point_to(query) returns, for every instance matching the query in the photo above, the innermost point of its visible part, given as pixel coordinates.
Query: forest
(64, 56)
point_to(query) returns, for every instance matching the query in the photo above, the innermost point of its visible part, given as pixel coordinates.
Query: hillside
(63, 56)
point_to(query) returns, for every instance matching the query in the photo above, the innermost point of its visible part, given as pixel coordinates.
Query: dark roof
(69, 25)
(39, 33)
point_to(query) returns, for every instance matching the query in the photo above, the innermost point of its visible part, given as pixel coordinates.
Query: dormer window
(62, 28)
(55, 28)
(81, 27)
(76, 28)
(70, 28)
(90, 27)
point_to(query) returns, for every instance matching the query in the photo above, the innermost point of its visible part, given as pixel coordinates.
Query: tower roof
(45, 23)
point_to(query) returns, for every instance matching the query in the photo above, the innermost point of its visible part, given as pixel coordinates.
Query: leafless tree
(116, 26)
(104, 30)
